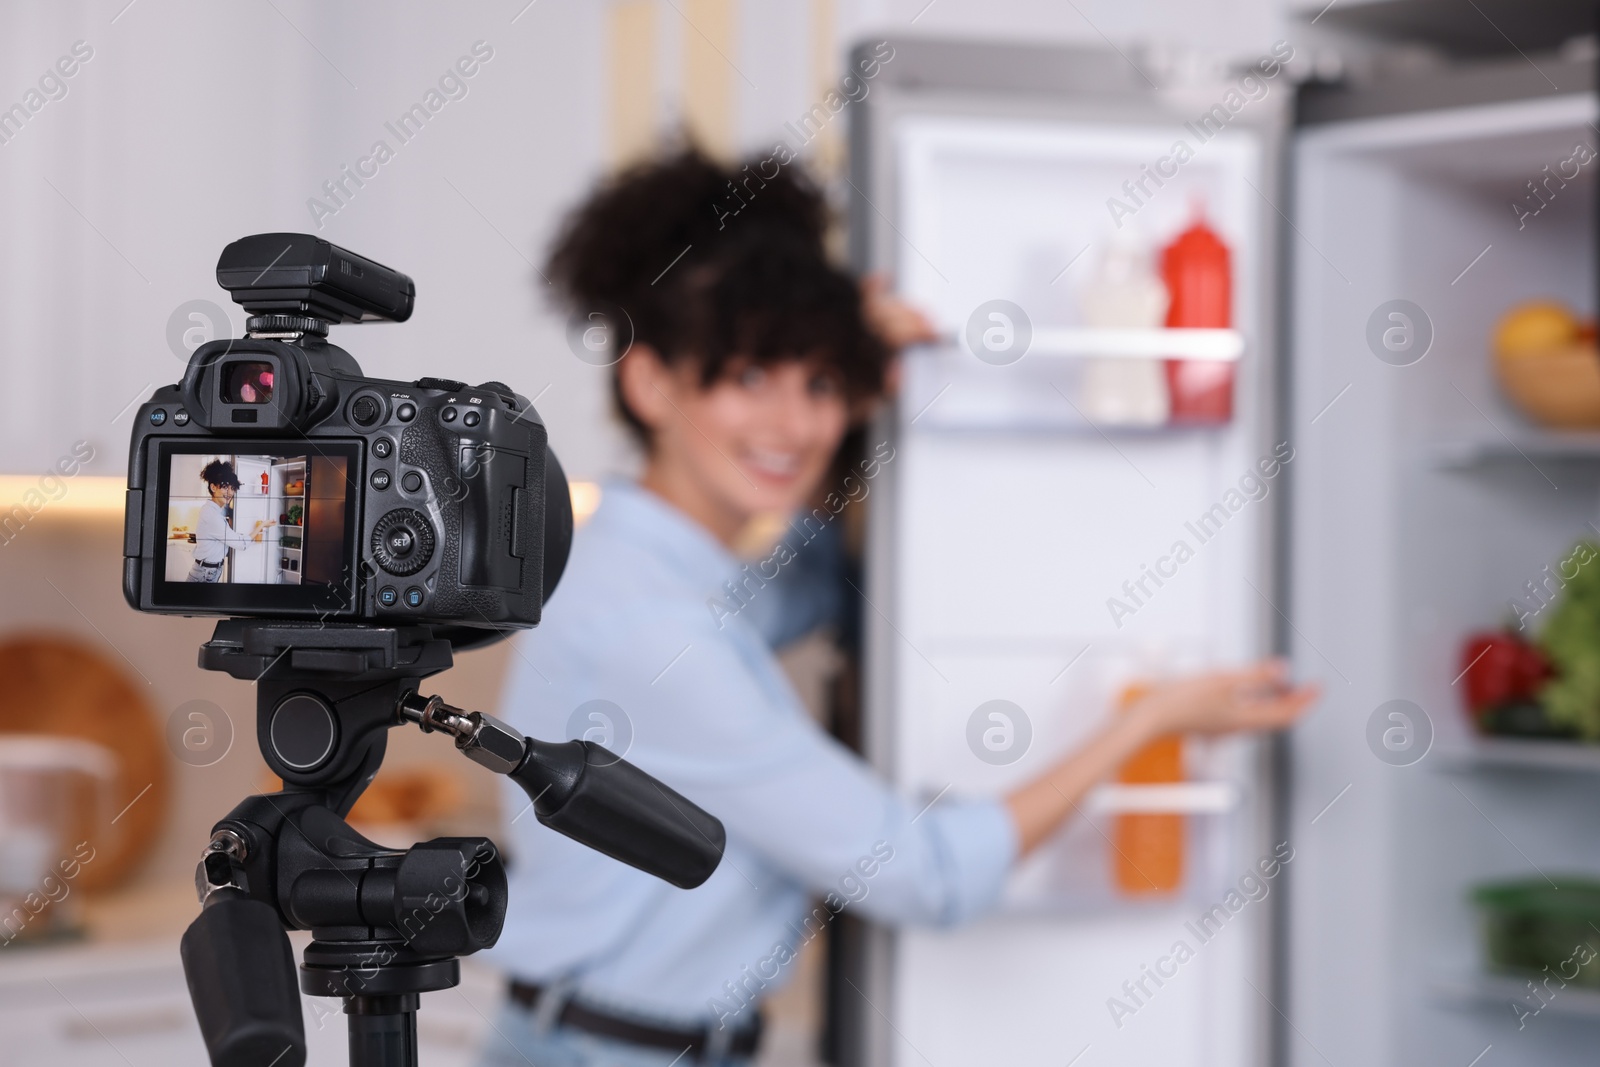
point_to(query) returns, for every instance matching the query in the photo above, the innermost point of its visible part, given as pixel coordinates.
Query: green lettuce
(1571, 641)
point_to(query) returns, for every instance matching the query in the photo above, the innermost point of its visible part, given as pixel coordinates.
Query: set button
(402, 542)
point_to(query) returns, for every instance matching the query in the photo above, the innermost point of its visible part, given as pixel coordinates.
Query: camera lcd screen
(253, 527)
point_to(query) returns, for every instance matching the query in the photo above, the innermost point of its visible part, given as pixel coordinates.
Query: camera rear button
(388, 596)
(406, 412)
(383, 448)
(448, 415)
(470, 418)
(411, 482)
(181, 416)
(158, 417)
(380, 480)
(413, 597)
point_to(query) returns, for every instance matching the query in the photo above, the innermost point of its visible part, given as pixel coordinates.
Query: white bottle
(1124, 293)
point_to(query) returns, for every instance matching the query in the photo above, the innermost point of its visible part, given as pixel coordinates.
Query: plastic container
(1529, 925)
(1124, 293)
(1198, 272)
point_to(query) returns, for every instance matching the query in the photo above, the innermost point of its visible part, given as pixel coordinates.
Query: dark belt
(743, 1043)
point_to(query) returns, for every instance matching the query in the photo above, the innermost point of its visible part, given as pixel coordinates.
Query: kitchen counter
(118, 997)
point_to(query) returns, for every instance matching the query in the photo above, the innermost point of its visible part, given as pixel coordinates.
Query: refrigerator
(1023, 553)
(269, 488)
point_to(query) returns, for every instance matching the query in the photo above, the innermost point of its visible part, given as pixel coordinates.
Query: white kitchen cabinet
(126, 1005)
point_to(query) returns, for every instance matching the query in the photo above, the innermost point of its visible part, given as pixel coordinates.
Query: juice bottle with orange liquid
(1149, 846)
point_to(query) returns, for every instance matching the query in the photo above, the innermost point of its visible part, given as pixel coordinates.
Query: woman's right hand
(1258, 697)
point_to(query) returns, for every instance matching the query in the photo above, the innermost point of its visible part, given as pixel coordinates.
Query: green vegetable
(1571, 640)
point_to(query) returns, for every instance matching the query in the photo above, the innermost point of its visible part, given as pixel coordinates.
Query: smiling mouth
(771, 463)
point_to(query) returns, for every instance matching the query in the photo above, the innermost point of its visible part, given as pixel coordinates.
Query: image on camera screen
(256, 519)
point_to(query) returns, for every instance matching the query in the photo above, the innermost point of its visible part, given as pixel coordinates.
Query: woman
(751, 357)
(214, 534)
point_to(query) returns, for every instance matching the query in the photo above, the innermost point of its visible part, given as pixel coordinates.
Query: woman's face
(222, 494)
(758, 440)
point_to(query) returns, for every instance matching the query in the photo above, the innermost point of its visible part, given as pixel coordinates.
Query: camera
(277, 480)
(359, 531)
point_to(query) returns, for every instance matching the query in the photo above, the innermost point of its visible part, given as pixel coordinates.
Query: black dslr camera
(276, 479)
(361, 531)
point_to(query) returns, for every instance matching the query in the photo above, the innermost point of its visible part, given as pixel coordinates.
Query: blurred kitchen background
(1375, 276)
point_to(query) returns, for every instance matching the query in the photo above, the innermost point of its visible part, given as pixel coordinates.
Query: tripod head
(387, 924)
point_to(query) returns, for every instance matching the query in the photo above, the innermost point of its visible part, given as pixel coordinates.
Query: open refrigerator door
(1048, 535)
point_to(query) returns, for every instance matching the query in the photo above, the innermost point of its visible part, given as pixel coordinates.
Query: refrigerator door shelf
(1086, 343)
(1056, 389)
(1075, 873)
(1183, 797)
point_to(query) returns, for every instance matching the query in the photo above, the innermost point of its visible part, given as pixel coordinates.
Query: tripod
(387, 924)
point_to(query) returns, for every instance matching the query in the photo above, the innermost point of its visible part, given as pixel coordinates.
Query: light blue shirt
(712, 715)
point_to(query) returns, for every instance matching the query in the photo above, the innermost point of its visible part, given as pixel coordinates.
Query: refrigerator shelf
(1498, 992)
(1528, 447)
(1493, 753)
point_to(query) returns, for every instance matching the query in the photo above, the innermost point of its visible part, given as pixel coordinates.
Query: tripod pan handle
(241, 977)
(601, 800)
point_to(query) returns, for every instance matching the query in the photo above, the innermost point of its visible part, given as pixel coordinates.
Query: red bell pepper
(1500, 668)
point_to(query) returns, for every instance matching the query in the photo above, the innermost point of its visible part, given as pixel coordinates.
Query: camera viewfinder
(247, 383)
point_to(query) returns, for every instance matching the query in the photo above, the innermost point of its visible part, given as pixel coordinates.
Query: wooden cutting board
(63, 686)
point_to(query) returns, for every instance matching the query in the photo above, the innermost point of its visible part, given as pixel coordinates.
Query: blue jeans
(201, 571)
(516, 1042)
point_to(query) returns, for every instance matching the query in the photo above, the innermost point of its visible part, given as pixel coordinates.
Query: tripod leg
(383, 1030)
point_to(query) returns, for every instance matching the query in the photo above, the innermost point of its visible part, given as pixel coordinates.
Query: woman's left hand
(896, 321)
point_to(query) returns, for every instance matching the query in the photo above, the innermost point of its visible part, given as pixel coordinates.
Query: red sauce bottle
(1198, 271)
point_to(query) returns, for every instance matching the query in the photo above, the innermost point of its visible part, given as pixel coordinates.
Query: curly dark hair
(220, 472)
(713, 263)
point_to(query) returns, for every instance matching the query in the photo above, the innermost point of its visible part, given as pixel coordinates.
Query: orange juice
(1149, 846)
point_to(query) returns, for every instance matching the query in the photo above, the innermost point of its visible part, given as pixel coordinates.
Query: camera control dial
(402, 541)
